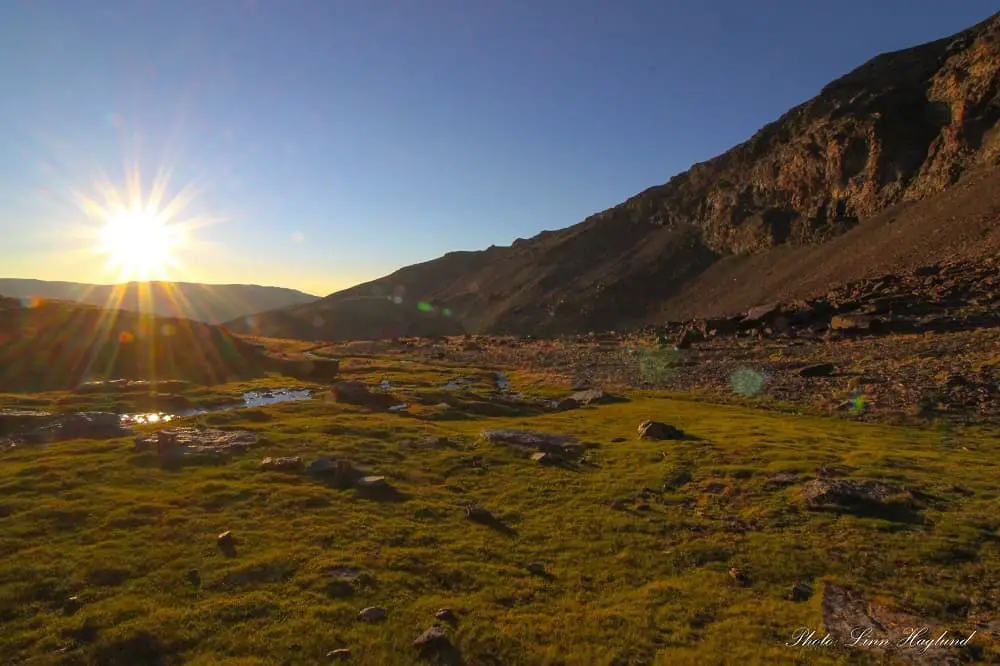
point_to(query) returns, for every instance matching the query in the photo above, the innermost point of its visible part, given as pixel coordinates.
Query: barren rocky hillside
(863, 165)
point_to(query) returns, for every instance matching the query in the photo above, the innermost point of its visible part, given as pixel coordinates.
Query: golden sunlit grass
(637, 543)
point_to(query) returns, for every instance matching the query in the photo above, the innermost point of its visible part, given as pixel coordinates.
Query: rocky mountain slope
(209, 303)
(898, 156)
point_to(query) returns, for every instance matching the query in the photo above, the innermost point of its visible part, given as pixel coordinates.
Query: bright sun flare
(138, 243)
(140, 232)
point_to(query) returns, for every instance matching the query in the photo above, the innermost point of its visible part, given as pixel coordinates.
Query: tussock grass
(638, 539)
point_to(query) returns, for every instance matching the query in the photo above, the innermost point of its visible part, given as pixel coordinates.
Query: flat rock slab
(845, 493)
(191, 443)
(541, 441)
(289, 464)
(847, 614)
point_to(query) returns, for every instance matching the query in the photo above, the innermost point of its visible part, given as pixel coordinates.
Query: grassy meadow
(638, 539)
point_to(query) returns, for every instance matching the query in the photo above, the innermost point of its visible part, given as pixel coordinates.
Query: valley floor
(917, 379)
(701, 550)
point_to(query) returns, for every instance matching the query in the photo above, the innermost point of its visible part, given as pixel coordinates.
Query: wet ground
(250, 399)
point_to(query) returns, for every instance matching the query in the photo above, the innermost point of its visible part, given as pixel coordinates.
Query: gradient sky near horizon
(331, 142)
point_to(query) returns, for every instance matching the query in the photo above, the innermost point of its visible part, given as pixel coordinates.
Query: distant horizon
(318, 147)
(177, 282)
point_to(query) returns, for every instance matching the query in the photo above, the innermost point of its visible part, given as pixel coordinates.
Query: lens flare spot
(446, 312)
(656, 363)
(30, 302)
(424, 307)
(116, 121)
(397, 299)
(126, 337)
(168, 330)
(748, 382)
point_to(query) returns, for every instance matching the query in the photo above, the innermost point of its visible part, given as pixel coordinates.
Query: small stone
(321, 466)
(291, 464)
(658, 430)
(479, 514)
(446, 615)
(194, 577)
(341, 654)
(800, 592)
(543, 458)
(351, 392)
(373, 614)
(72, 605)
(850, 322)
(432, 638)
(565, 404)
(372, 483)
(225, 540)
(536, 568)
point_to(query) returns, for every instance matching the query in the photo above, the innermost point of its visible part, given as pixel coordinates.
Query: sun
(138, 243)
(143, 233)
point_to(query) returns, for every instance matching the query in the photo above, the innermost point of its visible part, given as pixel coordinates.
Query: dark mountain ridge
(209, 303)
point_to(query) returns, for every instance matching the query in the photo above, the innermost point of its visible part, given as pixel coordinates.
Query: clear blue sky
(340, 140)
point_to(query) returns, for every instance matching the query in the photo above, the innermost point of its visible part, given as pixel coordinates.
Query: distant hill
(55, 345)
(374, 317)
(893, 165)
(209, 303)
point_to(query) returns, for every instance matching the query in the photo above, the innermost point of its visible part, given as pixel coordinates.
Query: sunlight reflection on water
(250, 399)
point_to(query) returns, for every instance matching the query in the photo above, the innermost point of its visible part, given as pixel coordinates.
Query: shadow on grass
(895, 512)
(387, 494)
(494, 524)
(444, 654)
(178, 463)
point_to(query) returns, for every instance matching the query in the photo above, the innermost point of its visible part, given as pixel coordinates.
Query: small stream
(250, 399)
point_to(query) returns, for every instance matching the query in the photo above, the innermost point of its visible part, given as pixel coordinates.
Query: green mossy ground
(631, 584)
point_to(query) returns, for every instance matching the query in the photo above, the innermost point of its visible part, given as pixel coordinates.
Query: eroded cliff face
(902, 126)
